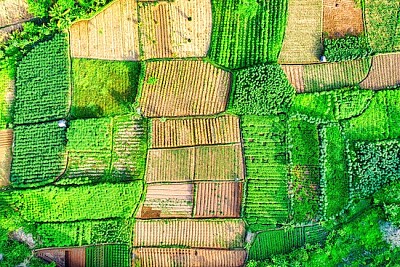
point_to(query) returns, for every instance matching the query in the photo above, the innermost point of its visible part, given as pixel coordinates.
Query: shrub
(347, 48)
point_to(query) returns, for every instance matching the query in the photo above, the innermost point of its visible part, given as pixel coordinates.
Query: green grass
(103, 88)
(305, 173)
(247, 32)
(68, 204)
(266, 200)
(5, 86)
(322, 77)
(393, 109)
(336, 177)
(111, 255)
(315, 105)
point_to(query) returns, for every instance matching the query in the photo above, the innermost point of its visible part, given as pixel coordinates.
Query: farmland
(208, 133)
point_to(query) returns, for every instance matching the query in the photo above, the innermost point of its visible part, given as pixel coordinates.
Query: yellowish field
(183, 88)
(6, 140)
(302, 42)
(111, 34)
(198, 131)
(201, 163)
(13, 11)
(193, 233)
(385, 72)
(167, 257)
(177, 28)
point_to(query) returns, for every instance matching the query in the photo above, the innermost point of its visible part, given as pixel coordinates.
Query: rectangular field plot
(167, 200)
(202, 163)
(266, 201)
(189, 232)
(166, 257)
(6, 141)
(175, 29)
(302, 42)
(197, 131)
(183, 88)
(111, 34)
(304, 186)
(218, 199)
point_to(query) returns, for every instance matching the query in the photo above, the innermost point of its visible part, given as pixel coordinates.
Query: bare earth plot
(6, 140)
(198, 131)
(294, 74)
(218, 199)
(204, 163)
(385, 72)
(64, 256)
(167, 200)
(183, 88)
(189, 232)
(166, 257)
(302, 41)
(178, 28)
(13, 11)
(111, 34)
(342, 17)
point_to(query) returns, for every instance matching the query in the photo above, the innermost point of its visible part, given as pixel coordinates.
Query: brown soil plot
(294, 74)
(385, 72)
(203, 163)
(183, 88)
(218, 199)
(189, 232)
(166, 257)
(6, 140)
(199, 131)
(111, 34)
(167, 200)
(13, 11)
(342, 17)
(178, 28)
(64, 256)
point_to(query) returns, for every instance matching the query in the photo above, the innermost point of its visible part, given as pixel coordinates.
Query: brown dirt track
(6, 140)
(198, 131)
(177, 28)
(189, 232)
(342, 17)
(167, 200)
(166, 257)
(183, 88)
(108, 35)
(218, 199)
(385, 72)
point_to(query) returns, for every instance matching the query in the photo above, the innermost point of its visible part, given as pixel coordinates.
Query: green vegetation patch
(68, 204)
(262, 90)
(247, 32)
(39, 154)
(82, 233)
(43, 83)
(393, 110)
(266, 200)
(322, 77)
(6, 91)
(346, 48)
(112, 255)
(304, 186)
(382, 23)
(103, 88)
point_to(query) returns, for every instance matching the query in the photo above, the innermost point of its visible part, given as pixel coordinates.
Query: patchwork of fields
(198, 133)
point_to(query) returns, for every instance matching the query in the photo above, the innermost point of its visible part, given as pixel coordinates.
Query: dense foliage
(87, 232)
(42, 83)
(6, 85)
(60, 204)
(346, 48)
(103, 88)
(373, 165)
(112, 255)
(265, 155)
(247, 32)
(39, 154)
(262, 90)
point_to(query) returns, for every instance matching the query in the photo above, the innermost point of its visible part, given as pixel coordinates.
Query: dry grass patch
(193, 233)
(111, 34)
(384, 73)
(178, 28)
(302, 42)
(183, 88)
(13, 11)
(166, 257)
(342, 17)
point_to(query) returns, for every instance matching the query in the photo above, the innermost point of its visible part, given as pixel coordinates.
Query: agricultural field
(226, 133)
